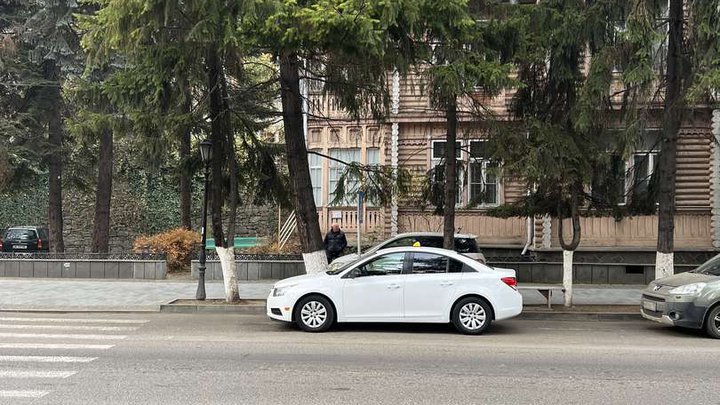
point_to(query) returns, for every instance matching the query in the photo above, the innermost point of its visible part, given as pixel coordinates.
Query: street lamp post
(206, 156)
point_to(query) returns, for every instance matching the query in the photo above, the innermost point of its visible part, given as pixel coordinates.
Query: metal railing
(81, 256)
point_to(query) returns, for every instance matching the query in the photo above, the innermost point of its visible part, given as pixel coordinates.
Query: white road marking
(23, 394)
(58, 346)
(61, 336)
(70, 327)
(73, 320)
(46, 359)
(35, 374)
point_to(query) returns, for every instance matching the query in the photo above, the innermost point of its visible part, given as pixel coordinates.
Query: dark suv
(25, 239)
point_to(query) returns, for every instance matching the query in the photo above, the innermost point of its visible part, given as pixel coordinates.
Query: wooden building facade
(413, 138)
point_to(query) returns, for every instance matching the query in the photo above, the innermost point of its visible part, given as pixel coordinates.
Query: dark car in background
(25, 239)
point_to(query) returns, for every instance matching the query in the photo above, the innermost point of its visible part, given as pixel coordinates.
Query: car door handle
(393, 286)
(446, 283)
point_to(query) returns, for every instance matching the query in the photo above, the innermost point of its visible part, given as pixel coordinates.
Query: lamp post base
(200, 294)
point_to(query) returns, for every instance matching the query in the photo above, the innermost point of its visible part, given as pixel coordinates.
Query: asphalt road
(243, 359)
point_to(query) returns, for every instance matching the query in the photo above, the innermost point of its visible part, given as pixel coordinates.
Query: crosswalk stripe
(46, 359)
(54, 346)
(23, 394)
(71, 327)
(73, 320)
(61, 336)
(35, 374)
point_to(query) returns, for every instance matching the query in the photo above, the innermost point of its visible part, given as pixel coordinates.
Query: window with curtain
(335, 171)
(315, 163)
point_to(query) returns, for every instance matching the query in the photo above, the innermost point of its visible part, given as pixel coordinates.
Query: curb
(254, 308)
(66, 309)
(579, 316)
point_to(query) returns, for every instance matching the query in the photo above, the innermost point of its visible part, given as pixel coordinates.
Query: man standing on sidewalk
(335, 243)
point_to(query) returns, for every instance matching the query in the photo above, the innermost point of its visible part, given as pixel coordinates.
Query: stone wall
(95, 269)
(132, 214)
(253, 270)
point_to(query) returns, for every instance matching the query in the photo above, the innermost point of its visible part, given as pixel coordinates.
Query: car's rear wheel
(314, 313)
(712, 323)
(471, 315)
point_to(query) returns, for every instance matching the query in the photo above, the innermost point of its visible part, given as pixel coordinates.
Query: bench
(546, 290)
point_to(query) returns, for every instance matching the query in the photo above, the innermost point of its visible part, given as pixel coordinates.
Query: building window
(372, 159)
(337, 169)
(315, 163)
(481, 187)
(639, 171)
(373, 156)
(483, 178)
(438, 154)
(625, 181)
(608, 183)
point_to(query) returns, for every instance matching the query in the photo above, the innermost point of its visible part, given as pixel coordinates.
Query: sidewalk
(108, 295)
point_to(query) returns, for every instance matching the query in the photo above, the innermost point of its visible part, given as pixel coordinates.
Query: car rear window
(23, 234)
(462, 245)
(431, 241)
(466, 245)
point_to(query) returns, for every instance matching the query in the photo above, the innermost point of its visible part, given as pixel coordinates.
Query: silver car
(464, 244)
(689, 300)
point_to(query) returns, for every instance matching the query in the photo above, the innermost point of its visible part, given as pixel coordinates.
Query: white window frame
(314, 167)
(630, 175)
(484, 163)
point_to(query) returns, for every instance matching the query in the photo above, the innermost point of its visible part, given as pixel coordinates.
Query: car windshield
(344, 266)
(711, 267)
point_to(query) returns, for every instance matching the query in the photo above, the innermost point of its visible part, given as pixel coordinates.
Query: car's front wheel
(712, 324)
(314, 313)
(471, 316)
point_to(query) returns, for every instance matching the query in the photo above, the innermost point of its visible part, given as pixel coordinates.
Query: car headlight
(688, 289)
(280, 291)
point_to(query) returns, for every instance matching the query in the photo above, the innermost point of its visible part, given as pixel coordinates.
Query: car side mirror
(354, 273)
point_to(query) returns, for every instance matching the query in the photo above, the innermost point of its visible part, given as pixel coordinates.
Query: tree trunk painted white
(315, 262)
(568, 276)
(227, 263)
(664, 265)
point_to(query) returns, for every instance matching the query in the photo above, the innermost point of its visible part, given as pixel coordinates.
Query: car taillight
(39, 243)
(510, 281)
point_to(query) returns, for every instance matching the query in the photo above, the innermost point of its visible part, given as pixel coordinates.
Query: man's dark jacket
(335, 242)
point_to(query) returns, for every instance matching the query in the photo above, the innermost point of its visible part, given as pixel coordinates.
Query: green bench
(241, 242)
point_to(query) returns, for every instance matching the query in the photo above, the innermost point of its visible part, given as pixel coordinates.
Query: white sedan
(405, 284)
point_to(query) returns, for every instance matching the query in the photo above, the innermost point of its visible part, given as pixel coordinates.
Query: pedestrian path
(135, 296)
(37, 355)
(109, 295)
